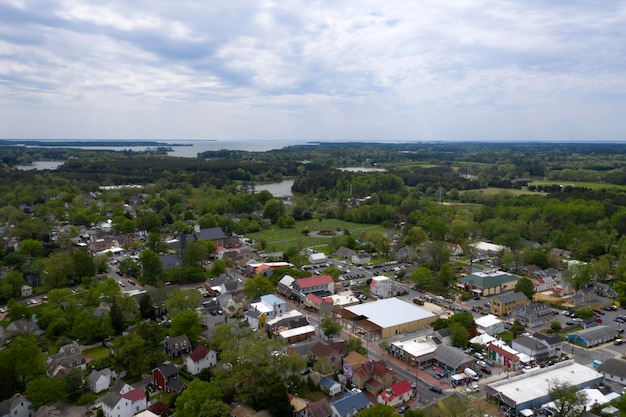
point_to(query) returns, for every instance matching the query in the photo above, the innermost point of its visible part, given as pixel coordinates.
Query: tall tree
(525, 286)
(330, 327)
(45, 390)
(152, 266)
(182, 300)
(257, 286)
(190, 402)
(187, 322)
(568, 401)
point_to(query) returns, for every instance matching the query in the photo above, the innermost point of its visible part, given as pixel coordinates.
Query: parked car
(151, 388)
(306, 371)
(121, 283)
(436, 389)
(490, 362)
(485, 370)
(618, 342)
(481, 364)
(599, 321)
(402, 409)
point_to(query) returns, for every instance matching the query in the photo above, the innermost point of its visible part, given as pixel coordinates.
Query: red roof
(200, 352)
(397, 389)
(314, 281)
(501, 351)
(135, 395)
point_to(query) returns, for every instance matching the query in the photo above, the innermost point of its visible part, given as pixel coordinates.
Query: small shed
(330, 386)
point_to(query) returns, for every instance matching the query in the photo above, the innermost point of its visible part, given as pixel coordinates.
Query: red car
(599, 321)
(485, 371)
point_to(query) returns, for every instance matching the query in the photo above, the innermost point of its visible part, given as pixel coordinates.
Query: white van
(470, 372)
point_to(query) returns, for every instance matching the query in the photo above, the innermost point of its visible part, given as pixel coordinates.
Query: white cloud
(444, 69)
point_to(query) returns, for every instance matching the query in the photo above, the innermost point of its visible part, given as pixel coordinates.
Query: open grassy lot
(494, 190)
(592, 185)
(281, 239)
(97, 352)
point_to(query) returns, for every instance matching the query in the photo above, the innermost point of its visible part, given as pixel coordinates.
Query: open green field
(592, 185)
(281, 239)
(494, 190)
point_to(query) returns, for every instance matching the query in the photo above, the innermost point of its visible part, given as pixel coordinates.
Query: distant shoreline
(89, 143)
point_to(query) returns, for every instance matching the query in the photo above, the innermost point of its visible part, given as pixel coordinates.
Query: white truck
(471, 373)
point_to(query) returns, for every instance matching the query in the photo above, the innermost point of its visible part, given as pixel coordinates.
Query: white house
(489, 324)
(396, 394)
(99, 380)
(16, 406)
(383, 287)
(26, 290)
(201, 358)
(269, 307)
(330, 386)
(128, 404)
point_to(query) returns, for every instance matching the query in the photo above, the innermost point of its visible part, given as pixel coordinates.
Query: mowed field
(591, 185)
(281, 239)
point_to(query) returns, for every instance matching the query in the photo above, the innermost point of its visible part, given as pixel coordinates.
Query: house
(488, 282)
(26, 291)
(397, 394)
(503, 355)
(554, 343)
(534, 348)
(165, 378)
(223, 284)
(373, 376)
(236, 304)
(21, 326)
(533, 314)
(99, 380)
(16, 406)
(505, 304)
(604, 290)
(320, 408)
(350, 404)
(212, 234)
(330, 386)
(361, 258)
(320, 285)
(542, 284)
(345, 253)
(352, 363)
(583, 296)
(201, 358)
(327, 353)
(593, 336)
(127, 404)
(614, 370)
(176, 346)
(68, 357)
(489, 324)
(384, 287)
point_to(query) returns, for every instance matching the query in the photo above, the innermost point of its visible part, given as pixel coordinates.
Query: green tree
(83, 265)
(459, 335)
(187, 322)
(517, 328)
(422, 277)
(378, 410)
(30, 247)
(21, 362)
(58, 270)
(190, 402)
(272, 210)
(152, 266)
(45, 390)
(218, 268)
(11, 285)
(525, 286)
(333, 271)
(129, 267)
(568, 401)
(354, 344)
(182, 300)
(579, 275)
(131, 352)
(257, 286)
(330, 327)
(415, 237)
(214, 408)
(555, 326)
(195, 253)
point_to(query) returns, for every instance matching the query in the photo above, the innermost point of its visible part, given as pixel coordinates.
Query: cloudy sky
(313, 70)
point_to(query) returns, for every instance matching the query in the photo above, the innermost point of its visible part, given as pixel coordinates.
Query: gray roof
(507, 298)
(529, 342)
(596, 332)
(613, 366)
(451, 356)
(175, 384)
(351, 401)
(111, 399)
(168, 369)
(213, 233)
(551, 340)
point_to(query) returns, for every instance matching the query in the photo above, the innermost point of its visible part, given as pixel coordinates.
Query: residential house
(505, 304)
(236, 304)
(176, 346)
(99, 380)
(292, 319)
(489, 324)
(542, 284)
(352, 362)
(361, 258)
(345, 253)
(23, 326)
(223, 284)
(488, 282)
(614, 370)
(127, 404)
(212, 234)
(330, 387)
(373, 376)
(554, 343)
(530, 269)
(455, 249)
(350, 404)
(397, 394)
(165, 378)
(320, 285)
(583, 296)
(323, 305)
(264, 268)
(201, 358)
(503, 355)
(320, 408)
(16, 406)
(533, 314)
(534, 348)
(299, 405)
(604, 290)
(593, 336)
(26, 291)
(68, 357)
(327, 353)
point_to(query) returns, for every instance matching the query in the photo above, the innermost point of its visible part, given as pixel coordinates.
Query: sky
(456, 70)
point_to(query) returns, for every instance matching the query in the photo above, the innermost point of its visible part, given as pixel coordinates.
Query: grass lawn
(281, 239)
(592, 185)
(494, 190)
(99, 352)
